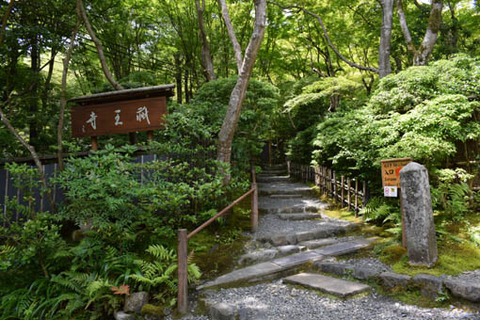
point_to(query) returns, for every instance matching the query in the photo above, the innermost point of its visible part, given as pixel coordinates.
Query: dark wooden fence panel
(41, 203)
(349, 192)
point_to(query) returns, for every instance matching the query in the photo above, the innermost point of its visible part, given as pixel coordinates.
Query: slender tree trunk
(5, 17)
(63, 97)
(34, 155)
(421, 55)
(207, 63)
(384, 66)
(33, 131)
(83, 16)
(227, 132)
(178, 77)
(237, 49)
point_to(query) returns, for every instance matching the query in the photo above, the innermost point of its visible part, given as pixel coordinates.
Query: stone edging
(431, 286)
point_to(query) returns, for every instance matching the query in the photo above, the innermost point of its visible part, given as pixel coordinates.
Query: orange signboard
(391, 171)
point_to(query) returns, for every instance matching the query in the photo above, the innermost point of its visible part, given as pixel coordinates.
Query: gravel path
(278, 301)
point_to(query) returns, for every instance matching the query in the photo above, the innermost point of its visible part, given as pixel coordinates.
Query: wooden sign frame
(122, 111)
(391, 171)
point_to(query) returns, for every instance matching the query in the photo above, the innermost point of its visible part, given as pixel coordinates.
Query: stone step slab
(313, 244)
(264, 179)
(302, 205)
(299, 216)
(288, 196)
(280, 267)
(338, 287)
(279, 187)
(298, 237)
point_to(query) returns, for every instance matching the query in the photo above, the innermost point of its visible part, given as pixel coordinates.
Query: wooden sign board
(391, 171)
(124, 111)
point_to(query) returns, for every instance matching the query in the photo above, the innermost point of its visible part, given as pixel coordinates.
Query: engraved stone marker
(417, 207)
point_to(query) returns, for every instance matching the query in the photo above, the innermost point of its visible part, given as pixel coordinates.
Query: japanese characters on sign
(119, 117)
(391, 171)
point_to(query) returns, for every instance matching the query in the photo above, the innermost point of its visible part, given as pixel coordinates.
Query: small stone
(120, 315)
(288, 249)
(365, 273)
(135, 301)
(391, 280)
(258, 256)
(339, 269)
(430, 286)
(222, 311)
(466, 290)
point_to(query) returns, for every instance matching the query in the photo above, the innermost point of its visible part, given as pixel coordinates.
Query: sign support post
(391, 184)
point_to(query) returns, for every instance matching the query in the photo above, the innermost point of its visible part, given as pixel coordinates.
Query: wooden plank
(119, 117)
(356, 198)
(349, 195)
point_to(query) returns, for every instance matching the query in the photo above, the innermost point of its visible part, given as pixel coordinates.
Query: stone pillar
(418, 215)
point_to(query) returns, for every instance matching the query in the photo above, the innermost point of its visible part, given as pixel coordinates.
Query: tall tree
(422, 53)
(207, 63)
(227, 132)
(384, 66)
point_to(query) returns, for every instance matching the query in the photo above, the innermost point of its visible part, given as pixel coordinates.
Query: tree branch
(325, 34)
(5, 17)
(63, 97)
(83, 16)
(206, 55)
(404, 27)
(237, 50)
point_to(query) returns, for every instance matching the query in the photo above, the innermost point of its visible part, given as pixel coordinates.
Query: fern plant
(158, 273)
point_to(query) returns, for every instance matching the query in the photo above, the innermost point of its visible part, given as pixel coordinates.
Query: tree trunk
(178, 77)
(421, 55)
(63, 97)
(207, 63)
(384, 66)
(33, 131)
(5, 17)
(225, 137)
(34, 155)
(237, 50)
(83, 16)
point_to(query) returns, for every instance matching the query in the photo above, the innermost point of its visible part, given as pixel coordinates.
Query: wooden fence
(345, 191)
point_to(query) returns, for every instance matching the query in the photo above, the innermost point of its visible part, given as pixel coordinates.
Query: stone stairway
(293, 233)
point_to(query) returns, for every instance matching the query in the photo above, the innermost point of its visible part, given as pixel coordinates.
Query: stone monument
(418, 215)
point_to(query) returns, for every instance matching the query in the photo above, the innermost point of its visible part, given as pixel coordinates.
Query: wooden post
(349, 194)
(335, 189)
(342, 182)
(269, 153)
(94, 143)
(182, 298)
(133, 138)
(254, 208)
(404, 236)
(150, 136)
(364, 198)
(356, 198)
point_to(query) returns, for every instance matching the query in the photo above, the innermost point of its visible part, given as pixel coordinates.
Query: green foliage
(158, 273)
(25, 180)
(452, 195)
(100, 188)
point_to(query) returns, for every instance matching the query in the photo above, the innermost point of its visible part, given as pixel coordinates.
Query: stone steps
(281, 267)
(337, 287)
(267, 179)
(299, 216)
(270, 205)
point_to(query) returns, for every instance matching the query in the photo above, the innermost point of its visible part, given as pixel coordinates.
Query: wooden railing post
(349, 194)
(342, 182)
(335, 189)
(254, 208)
(356, 198)
(182, 298)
